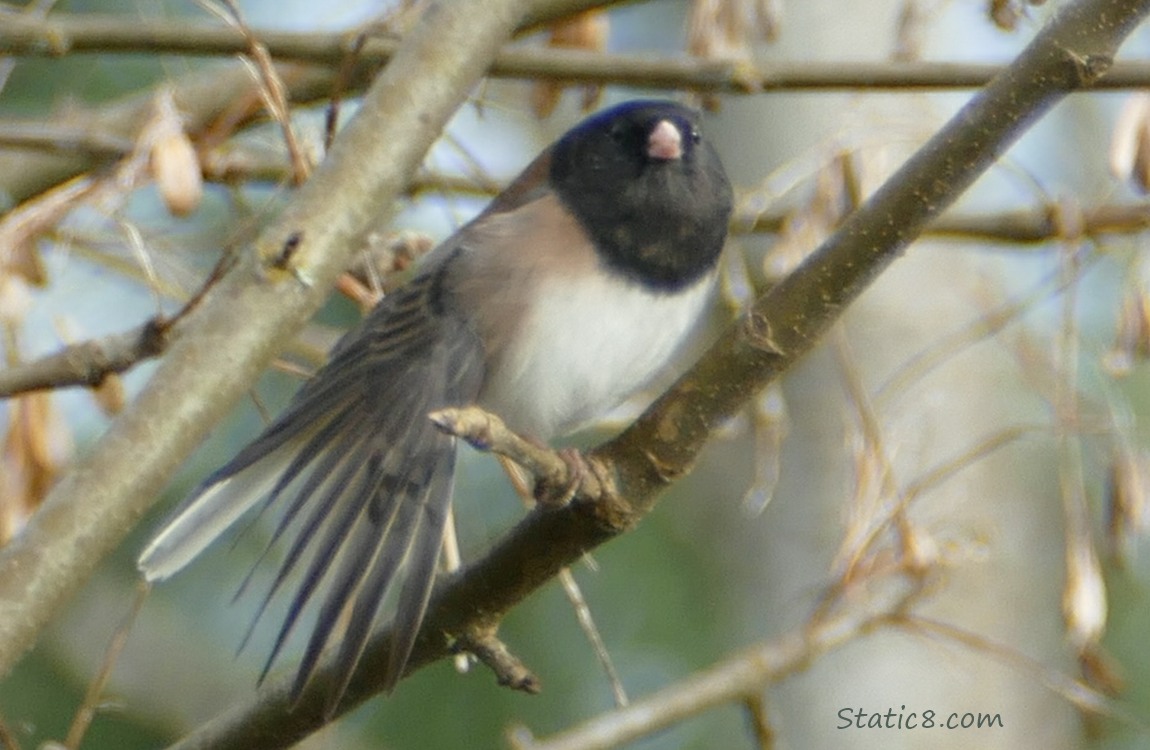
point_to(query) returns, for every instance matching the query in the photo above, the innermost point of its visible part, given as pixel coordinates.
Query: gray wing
(361, 477)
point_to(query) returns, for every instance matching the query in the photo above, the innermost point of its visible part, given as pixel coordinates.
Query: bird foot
(557, 492)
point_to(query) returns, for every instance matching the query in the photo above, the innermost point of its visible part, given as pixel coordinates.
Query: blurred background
(974, 430)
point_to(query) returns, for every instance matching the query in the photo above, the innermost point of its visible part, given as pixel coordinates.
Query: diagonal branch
(1068, 55)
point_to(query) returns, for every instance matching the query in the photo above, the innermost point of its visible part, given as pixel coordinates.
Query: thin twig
(273, 92)
(989, 324)
(591, 630)
(733, 679)
(760, 720)
(227, 164)
(508, 669)
(86, 363)
(63, 34)
(95, 692)
(1076, 692)
(520, 482)
(54, 137)
(343, 79)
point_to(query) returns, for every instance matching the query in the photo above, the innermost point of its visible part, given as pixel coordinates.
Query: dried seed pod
(586, 31)
(1084, 606)
(1130, 142)
(1132, 337)
(176, 169)
(1127, 509)
(175, 164)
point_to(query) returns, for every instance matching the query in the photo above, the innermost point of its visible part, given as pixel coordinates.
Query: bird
(560, 300)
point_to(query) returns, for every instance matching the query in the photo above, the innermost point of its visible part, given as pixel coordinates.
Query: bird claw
(555, 492)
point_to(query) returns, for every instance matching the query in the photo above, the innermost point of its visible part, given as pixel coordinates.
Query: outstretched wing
(360, 476)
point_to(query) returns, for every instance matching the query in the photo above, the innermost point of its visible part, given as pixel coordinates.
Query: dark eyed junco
(564, 297)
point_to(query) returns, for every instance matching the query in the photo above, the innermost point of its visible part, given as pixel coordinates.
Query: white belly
(586, 346)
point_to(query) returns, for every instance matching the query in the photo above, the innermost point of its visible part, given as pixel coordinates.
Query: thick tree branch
(214, 360)
(1068, 55)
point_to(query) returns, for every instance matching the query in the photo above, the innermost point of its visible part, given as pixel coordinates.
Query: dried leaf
(769, 425)
(1130, 142)
(175, 165)
(1132, 337)
(1128, 512)
(36, 446)
(1084, 606)
(909, 31)
(109, 394)
(1005, 14)
(729, 29)
(587, 31)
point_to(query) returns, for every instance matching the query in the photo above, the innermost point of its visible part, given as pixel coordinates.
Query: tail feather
(360, 477)
(324, 487)
(337, 519)
(320, 473)
(423, 557)
(211, 512)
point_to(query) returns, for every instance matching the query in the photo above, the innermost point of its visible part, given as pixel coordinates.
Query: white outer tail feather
(204, 519)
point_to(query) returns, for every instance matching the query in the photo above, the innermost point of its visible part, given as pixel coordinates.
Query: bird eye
(618, 133)
(695, 135)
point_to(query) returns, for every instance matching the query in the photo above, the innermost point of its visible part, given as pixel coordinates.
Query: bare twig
(343, 79)
(520, 481)
(230, 163)
(760, 720)
(52, 136)
(587, 624)
(89, 363)
(1077, 692)
(273, 92)
(508, 669)
(733, 679)
(86, 363)
(95, 692)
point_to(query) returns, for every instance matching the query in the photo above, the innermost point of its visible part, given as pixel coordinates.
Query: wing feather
(360, 478)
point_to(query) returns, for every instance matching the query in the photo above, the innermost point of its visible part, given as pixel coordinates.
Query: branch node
(287, 251)
(508, 669)
(666, 471)
(1091, 67)
(760, 334)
